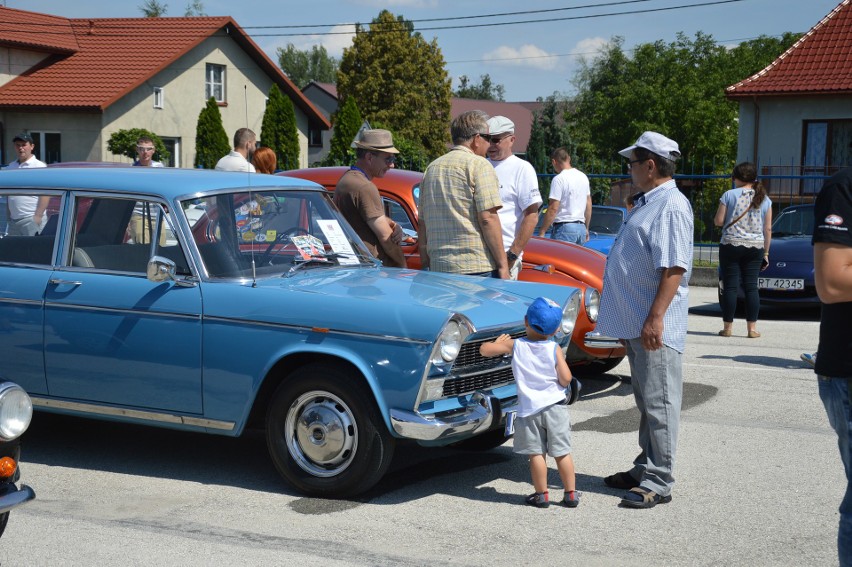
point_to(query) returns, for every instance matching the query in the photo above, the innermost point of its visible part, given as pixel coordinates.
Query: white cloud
(523, 56)
(590, 47)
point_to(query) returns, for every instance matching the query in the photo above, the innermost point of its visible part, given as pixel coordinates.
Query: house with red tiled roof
(324, 97)
(799, 108)
(72, 83)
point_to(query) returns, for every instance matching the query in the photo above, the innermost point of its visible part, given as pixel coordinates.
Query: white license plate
(510, 423)
(780, 283)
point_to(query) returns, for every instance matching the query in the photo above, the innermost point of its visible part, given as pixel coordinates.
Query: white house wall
(780, 130)
(246, 89)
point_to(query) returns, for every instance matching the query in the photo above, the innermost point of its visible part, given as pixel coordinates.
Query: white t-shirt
(518, 190)
(234, 161)
(571, 189)
(534, 368)
(23, 206)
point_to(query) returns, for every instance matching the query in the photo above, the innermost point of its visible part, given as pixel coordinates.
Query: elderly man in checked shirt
(644, 303)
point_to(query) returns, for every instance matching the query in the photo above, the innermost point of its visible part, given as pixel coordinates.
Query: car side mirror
(161, 269)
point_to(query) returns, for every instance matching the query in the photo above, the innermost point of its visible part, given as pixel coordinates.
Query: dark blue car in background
(604, 226)
(789, 279)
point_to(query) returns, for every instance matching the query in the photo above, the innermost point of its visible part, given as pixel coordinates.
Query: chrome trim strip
(15, 498)
(16, 301)
(598, 341)
(169, 314)
(305, 328)
(134, 414)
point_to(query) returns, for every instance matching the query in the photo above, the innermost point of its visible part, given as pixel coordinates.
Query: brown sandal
(725, 333)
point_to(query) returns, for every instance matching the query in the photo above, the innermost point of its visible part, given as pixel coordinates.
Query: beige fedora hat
(377, 140)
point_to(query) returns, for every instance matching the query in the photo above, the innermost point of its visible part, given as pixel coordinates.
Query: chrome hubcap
(321, 433)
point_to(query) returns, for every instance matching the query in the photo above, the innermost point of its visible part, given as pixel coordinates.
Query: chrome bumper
(478, 416)
(595, 340)
(11, 496)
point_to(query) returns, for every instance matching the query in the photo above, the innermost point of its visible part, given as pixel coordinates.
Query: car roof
(167, 182)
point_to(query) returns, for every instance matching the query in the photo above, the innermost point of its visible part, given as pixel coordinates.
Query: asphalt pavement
(759, 480)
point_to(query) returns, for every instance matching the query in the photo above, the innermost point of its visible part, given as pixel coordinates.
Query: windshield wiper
(326, 261)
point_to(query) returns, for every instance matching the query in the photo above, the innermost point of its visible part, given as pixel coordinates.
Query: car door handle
(55, 281)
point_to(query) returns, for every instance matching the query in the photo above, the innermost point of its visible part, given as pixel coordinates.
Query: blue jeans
(573, 232)
(657, 378)
(835, 393)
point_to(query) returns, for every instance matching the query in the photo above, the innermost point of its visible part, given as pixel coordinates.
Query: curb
(704, 277)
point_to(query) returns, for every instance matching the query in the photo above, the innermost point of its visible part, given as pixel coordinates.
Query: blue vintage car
(261, 308)
(604, 225)
(16, 410)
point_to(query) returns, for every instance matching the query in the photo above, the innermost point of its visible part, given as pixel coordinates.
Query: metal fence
(786, 185)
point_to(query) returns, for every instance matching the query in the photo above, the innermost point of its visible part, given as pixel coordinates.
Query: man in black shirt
(833, 274)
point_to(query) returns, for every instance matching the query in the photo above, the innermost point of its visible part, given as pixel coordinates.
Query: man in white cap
(358, 198)
(26, 212)
(644, 303)
(518, 191)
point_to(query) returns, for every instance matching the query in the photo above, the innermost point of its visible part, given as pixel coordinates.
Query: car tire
(4, 519)
(325, 434)
(596, 367)
(484, 442)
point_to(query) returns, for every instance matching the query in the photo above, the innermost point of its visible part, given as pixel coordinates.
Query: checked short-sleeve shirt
(455, 189)
(656, 235)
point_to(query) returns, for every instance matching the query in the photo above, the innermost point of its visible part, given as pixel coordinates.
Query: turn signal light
(8, 466)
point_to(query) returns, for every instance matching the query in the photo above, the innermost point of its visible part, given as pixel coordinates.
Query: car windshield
(796, 221)
(278, 231)
(606, 221)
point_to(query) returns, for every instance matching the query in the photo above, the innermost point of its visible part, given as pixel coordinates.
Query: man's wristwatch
(511, 256)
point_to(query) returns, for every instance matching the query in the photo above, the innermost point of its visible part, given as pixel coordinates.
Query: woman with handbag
(745, 213)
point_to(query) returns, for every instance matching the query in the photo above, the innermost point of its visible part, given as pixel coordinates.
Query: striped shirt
(656, 235)
(456, 188)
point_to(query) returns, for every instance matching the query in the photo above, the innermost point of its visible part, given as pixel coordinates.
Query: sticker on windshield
(309, 247)
(337, 240)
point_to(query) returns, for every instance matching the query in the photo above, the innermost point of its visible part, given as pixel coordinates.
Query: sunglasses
(145, 148)
(495, 139)
(389, 160)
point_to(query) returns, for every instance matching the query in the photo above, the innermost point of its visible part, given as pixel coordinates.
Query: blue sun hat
(544, 316)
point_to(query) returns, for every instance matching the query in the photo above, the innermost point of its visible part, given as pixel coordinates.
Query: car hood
(402, 303)
(791, 257)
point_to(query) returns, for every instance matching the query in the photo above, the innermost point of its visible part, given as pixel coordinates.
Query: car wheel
(325, 433)
(596, 367)
(485, 442)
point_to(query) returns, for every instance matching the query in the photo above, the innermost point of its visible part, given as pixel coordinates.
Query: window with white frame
(158, 97)
(215, 82)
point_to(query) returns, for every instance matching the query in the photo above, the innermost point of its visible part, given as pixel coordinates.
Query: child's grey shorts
(548, 431)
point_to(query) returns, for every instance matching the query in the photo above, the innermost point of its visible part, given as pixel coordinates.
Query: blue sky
(529, 59)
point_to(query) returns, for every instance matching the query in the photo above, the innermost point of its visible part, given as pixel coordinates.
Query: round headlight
(570, 312)
(450, 341)
(16, 411)
(593, 303)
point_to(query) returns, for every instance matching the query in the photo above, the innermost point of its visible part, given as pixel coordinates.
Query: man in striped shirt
(645, 304)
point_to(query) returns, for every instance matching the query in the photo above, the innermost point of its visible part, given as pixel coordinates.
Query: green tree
(677, 89)
(123, 143)
(195, 8)
(153, 9)
(305, 66)
(347, 121)
(549, 131)
(211, 141)
(278, 130)
(399, 79)
(484, 90)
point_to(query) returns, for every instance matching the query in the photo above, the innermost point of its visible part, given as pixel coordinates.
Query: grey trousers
(25, 226)
(657, 378)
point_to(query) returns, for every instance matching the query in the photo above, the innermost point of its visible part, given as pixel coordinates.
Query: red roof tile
(820, 63)
(38, 32)
(116, 55)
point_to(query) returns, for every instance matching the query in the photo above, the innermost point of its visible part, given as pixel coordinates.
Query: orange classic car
(545, 261)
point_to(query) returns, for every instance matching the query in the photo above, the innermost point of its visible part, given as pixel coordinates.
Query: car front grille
(472, 371)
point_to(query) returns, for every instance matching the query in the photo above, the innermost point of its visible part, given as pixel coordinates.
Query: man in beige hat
(358, 198)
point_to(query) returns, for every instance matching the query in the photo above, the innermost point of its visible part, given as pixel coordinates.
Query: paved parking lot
(759, 480)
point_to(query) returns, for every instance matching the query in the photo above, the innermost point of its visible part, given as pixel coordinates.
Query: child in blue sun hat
(545, 389)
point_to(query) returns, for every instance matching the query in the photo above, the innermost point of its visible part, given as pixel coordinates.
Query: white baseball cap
(500, 125)
(654, 143)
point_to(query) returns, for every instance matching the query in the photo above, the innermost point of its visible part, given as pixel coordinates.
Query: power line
(398, 27)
